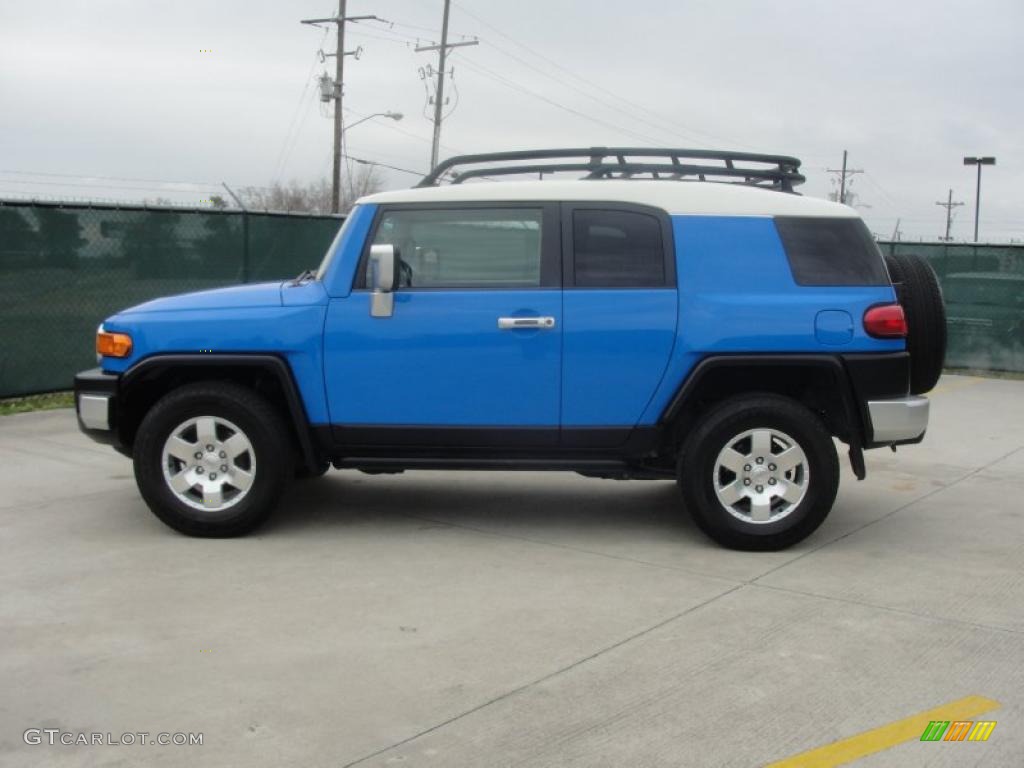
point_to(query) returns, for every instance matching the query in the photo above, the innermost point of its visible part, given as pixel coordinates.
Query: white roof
(674, 197)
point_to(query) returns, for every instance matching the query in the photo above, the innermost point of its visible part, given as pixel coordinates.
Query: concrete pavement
(472, 619)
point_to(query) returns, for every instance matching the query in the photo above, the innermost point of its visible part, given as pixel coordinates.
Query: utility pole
(442, 50)
(339, 79)
(843, 173)
(949, 205)
(978, 161)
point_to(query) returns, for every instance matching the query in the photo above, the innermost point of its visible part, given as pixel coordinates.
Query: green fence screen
(983, 286)
(63, 268)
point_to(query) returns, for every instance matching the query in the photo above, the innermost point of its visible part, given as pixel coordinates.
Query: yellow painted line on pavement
(877, 739)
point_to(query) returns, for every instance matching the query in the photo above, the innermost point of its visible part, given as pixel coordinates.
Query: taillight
(886, 321)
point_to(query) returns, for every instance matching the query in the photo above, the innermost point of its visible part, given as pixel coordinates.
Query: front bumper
(898, 420)
(96, 395)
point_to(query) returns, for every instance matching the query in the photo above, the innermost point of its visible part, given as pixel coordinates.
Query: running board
(592, 467)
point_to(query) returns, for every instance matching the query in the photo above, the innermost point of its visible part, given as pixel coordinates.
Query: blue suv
(661, 314)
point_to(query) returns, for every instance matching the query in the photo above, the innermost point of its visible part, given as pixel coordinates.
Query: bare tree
(365, 181)
(312, 196)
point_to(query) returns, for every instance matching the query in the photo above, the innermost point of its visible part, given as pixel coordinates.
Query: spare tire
(918, 291)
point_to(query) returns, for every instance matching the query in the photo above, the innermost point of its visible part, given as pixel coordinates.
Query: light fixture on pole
(396, 116)
(978, 161)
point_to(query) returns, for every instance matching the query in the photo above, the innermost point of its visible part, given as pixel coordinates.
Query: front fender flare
(273, 365)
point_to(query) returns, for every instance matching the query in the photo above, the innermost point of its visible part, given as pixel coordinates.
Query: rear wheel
(211, 459)
(921, 297)
(759, 472)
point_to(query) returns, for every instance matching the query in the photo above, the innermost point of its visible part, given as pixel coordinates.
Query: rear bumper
(96, 396)
(898, 420)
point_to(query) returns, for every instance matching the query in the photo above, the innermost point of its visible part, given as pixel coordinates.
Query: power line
(880, 188)
(106, 186)
(364, 161)
(667, 123)
(296, 137)
(82, 181)
(410, 134)
(516, 86)
(607, 104)
(406, 42)
(107, 178)
(417, 27)
(285, 148)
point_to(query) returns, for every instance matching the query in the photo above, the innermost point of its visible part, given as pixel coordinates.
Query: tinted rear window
(824, 251)
(617, 249)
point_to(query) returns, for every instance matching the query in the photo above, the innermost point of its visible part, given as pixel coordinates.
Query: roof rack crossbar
(779, 171)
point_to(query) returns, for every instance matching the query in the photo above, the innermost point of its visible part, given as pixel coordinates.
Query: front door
(472, 352)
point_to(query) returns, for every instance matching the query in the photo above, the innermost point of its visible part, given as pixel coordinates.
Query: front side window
(465, 248)
(617, 249)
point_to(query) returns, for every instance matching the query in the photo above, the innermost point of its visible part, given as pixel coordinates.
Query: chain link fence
(63, 268)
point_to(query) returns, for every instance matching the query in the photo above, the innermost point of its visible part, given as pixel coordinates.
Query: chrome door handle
(511, 323)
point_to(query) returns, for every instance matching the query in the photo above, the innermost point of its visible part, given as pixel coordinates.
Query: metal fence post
(245, 231)
(245, 246)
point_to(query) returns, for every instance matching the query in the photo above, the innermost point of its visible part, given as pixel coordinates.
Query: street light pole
(978, 161)
(396, 116)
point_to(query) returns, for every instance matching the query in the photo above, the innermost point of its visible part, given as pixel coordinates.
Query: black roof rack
(771, 171)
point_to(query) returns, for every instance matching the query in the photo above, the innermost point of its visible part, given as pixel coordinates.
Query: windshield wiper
(306, 274)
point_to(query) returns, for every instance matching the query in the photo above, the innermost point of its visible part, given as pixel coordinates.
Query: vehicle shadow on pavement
(510, 502)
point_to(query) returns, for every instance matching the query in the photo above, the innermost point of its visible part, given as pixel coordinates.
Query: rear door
(620, 307)
(472, 352)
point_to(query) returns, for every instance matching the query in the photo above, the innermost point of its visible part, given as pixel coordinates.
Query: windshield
(335, 244)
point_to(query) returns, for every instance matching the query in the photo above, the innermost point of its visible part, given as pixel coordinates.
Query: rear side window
(617, 249)
(824, 251)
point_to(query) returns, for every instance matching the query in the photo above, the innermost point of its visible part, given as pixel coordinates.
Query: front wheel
(211, 459)
(759, 472)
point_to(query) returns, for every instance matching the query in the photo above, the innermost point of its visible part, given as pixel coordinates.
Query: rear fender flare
(830, 364)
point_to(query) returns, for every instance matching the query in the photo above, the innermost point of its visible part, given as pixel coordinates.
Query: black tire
(259, 422)
(919, 293)
(696, 471)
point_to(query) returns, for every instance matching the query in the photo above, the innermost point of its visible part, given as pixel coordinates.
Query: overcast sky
(128, 90)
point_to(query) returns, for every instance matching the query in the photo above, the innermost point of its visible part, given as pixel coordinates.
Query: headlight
(113, 344)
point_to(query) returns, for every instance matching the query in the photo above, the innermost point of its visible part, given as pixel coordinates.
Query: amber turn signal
(113, 344)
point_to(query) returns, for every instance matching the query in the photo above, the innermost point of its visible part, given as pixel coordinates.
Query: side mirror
(384, 263)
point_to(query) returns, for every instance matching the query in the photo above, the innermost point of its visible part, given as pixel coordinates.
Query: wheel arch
(819, 382)
(143, 384)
